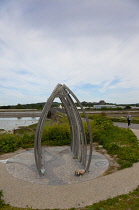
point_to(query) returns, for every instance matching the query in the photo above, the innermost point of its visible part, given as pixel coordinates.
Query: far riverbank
(5, 113)
(36, 113)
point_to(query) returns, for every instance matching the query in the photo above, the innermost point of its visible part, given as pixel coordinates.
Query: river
(10, 123)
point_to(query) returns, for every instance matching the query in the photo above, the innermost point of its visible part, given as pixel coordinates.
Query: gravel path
(21, 193)
(124, 125)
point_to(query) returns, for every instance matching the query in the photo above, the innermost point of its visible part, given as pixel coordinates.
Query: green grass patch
(117, 141)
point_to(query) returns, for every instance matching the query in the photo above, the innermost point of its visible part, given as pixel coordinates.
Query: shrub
(58, 134)
(8, 143)
(27, 140)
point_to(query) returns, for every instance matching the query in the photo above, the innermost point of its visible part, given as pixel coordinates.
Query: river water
(11, 123)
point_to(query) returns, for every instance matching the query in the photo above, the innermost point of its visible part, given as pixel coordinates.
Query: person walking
(129, 119)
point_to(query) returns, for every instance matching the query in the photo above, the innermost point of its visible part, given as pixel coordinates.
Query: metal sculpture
(78, 139)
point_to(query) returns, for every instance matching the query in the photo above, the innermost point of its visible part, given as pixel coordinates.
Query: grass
(119, 142)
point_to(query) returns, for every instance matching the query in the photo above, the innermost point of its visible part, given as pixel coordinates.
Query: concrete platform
(59, 164)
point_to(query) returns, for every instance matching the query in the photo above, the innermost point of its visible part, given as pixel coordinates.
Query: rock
(79, 172)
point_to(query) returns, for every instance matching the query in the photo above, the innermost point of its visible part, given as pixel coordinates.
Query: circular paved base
(59, 164)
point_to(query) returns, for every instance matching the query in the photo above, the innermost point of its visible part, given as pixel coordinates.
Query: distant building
(122, 107)
(60, 107)
(134, 107)
(102, 102)
(78, 107)
(106, 106)
(84, 107)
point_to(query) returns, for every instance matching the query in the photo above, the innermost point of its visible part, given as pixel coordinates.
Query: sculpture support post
(78, 141)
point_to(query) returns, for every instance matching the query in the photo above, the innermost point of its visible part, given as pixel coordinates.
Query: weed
(2, 202)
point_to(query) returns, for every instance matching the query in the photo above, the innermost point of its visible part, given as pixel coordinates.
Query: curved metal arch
(78, 141)
(88, 124)
(78, 131)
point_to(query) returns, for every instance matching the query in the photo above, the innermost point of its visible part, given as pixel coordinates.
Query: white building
(106, 106)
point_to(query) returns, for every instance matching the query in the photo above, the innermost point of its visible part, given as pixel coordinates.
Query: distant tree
(18, 106)
(5, 107)
(102, 102)
(128, 107)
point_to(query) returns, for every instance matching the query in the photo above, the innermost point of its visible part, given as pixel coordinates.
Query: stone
(79, 172)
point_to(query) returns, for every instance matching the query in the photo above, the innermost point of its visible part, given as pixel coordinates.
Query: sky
(92, 46)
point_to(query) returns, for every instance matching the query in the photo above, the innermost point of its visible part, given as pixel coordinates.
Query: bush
(8, 143)
(11, 142)
(27, 140)
(58, 134)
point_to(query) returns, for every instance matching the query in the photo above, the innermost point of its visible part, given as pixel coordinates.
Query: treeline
(28, 106)
(56, 104)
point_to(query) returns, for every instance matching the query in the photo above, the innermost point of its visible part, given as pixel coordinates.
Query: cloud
(91, 44)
